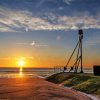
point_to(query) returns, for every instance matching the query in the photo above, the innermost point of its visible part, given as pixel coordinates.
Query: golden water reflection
(21, 72)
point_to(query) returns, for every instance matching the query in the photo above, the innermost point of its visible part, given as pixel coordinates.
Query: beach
(35, 88)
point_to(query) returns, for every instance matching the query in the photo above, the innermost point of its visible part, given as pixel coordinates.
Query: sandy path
(35, 89)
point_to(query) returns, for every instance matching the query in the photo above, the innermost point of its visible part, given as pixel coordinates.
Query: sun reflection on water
(21, 63)
(21, 71)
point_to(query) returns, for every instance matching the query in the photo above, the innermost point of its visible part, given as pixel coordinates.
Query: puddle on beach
(17, 75)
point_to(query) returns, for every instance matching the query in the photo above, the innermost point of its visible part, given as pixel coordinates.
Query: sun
(21, 63)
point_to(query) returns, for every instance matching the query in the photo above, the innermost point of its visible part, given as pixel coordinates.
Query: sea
(31, 72)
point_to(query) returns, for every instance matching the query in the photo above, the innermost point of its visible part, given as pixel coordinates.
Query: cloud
(37, 44)
(42, 45)
(13, 20)
(26, 29)
(76, 22)
(16, 21)
(41, 2)
(33, 43)
(67, 1)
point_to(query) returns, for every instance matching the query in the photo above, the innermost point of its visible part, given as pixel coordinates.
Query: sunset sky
(44, 32)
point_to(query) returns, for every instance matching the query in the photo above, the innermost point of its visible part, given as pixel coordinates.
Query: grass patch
(76, 79)
(91, 86)
(87, 83)
(59, 77)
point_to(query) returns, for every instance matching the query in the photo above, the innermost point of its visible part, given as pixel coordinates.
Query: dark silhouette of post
(96, 70)
(64, 68)
(79, 57)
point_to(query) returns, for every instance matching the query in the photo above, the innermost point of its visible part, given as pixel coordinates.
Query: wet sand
(35, 89)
